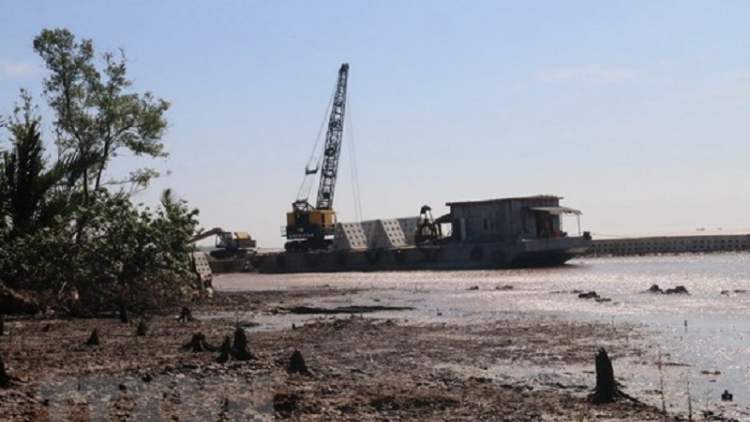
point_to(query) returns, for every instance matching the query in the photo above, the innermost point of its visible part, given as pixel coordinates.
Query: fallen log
(198, 344)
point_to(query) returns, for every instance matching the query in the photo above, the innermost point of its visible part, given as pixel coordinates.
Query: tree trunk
(2, 324)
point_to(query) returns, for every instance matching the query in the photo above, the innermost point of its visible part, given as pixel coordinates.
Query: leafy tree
(61, 229)
(27, 182)
(96, 112)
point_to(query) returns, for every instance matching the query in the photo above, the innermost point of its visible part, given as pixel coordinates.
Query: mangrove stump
(199, 344)
(185, 315)
(94, 338)
(5, 379)
(142, 329)
(225, 351)
(607, 389)
(239, 347)
(122, 313)
(297, 364)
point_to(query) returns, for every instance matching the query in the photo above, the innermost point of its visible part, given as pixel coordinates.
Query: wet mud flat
(360, 367)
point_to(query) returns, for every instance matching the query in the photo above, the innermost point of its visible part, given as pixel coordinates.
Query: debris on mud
(311, 310)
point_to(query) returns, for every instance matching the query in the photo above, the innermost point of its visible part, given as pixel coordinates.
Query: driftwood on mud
(607, 389)
(94, 338)
(199, 344)
(297, 364)
(311, 310)
(185, 315)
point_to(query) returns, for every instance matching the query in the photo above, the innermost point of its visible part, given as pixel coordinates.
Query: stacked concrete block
(391, 233)
(387, 234)
(409, 228)
(349, 236)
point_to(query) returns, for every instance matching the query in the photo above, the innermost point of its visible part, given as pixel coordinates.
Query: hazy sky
(636, 112)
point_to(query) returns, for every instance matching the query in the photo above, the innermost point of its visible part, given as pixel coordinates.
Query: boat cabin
(508, 219)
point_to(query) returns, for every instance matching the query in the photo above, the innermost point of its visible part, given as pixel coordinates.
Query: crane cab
(308, 229)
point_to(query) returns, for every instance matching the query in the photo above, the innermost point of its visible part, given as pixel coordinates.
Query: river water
(702, 338)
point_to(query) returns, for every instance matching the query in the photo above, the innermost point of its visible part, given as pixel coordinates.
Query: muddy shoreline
(363, 367)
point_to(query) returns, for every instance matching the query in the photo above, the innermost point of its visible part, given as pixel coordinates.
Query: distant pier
(654, 245)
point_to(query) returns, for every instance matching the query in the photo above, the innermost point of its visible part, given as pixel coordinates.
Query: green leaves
(61, 226)
(96, 112)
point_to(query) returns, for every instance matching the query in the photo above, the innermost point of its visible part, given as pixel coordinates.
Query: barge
(480, 235)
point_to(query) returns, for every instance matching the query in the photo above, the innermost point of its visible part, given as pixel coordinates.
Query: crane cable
(353, 164)
(315, 160)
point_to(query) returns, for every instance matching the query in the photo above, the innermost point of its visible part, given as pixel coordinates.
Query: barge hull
(477, 256)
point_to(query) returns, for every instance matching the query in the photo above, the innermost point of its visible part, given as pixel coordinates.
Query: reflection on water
(707, 330)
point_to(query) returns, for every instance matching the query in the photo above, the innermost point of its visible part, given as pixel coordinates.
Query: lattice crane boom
(332, 148)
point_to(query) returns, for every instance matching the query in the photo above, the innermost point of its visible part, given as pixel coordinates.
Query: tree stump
(297, 364)
(94, 338)
(142, 329)
(225, 351)
(185, 315)
(607, 389)
(5, 379)
(123, 314)
(198, 344)
(239, 347)
(606, 386)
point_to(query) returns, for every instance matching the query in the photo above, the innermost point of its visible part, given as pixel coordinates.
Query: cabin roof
(497, 200)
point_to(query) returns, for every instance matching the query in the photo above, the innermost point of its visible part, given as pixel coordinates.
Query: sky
(636, 112)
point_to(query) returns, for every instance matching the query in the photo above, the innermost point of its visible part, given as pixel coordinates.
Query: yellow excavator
(228, 244)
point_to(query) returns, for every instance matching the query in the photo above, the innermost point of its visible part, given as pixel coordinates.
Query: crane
(308, 227)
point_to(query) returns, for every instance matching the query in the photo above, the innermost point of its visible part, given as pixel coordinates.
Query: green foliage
(63, 232)
(135, 256)
(96, 112)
